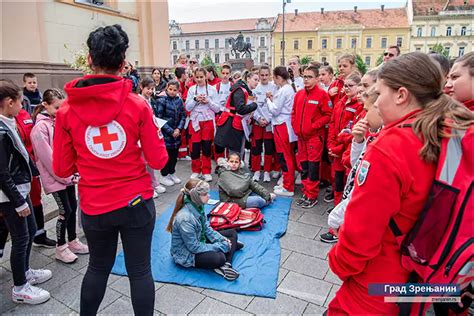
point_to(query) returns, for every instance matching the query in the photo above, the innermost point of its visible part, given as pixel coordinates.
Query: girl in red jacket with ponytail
(346, 66)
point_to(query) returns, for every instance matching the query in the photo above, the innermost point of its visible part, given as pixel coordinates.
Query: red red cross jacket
(106, 133)
(24, 124)
(311, 112)
(470, 104)
(339, 84)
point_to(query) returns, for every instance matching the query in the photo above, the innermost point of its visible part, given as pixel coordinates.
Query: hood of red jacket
(97, 99)
(470, 104)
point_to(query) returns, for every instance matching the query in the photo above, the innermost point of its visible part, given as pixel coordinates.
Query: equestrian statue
(238, 45)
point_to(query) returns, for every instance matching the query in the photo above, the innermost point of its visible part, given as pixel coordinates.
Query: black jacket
(14, 169)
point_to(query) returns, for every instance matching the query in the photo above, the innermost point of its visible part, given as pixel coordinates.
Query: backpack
(230, 215)
(439, 248)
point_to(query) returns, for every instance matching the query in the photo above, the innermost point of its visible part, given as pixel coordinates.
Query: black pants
(135, 226)
(216, 259)
(22, 231)
(67, 204)
(170, 167)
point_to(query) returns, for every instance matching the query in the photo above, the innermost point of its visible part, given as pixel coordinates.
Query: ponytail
(178, 206)
(38, 109)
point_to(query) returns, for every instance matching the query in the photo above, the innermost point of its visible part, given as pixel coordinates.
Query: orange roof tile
(428, 7)
(459, 5)
(221, 26)
(373, 18)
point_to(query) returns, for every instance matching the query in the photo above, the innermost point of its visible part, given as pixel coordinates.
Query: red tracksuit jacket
(311, 112)
(102, 131)
(470, 104)
(24, 124)
(339, 83)
(395, 184)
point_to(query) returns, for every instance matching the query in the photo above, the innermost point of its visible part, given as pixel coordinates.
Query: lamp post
(283, 32)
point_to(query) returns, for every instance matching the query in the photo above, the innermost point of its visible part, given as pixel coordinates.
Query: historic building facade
(212, 39)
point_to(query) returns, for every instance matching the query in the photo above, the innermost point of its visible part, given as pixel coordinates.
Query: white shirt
(260, 93)
(282, 105)
(224, 91)
(201, 112)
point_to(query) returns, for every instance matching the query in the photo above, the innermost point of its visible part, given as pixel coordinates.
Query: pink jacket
(42, 140)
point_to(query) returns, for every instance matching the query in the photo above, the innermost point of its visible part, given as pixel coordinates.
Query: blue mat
(258, 263)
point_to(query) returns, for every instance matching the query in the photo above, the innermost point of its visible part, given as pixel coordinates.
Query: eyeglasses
(348, 86)
(193, 62)
(308, 77)
(126, 68)
(388, 54)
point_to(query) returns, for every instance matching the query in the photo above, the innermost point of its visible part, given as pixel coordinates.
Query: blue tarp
(258, 263)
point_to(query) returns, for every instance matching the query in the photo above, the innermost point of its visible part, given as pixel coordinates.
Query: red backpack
(439, 248)
(230, 215)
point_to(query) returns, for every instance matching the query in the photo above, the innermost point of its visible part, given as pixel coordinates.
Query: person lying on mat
(193, 242)
(236, 184)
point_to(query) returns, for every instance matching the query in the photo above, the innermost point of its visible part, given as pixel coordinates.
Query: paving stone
(284, 254)
(281, 275)
(52, 306)
(295, 214)
(331, 277)
(282, 304)
(303, 230)
(305, 288)
(331, 295)
(6, 302)
(5, 275)
(194, 288)
(62, 273)
(121, 285)
(307, 265)
(314, 248)
(314, 309)
(237, 300)
(175, 299)
(314, 219)
(6, 253)
(81, 262)
(211, 306)
(37, 260)
(122, 306)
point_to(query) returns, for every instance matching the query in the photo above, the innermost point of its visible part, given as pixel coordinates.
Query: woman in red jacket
(393, 181)
(115, 187)
(346, 65)
(460, 83)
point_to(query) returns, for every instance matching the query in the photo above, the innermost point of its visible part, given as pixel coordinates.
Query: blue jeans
(256, 201)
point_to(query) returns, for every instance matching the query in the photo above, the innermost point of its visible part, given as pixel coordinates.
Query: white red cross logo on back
(106, 141)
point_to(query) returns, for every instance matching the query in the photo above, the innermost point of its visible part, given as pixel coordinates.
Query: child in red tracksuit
(460, 78)
(346, 65)
(311, 112)
(340, 126)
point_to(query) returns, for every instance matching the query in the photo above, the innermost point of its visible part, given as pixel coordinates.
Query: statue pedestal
(241, 63)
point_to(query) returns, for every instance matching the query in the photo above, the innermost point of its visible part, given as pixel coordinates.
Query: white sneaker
(155, 194)
(186, 158)
(175, 179)
(276, 187)
(166, 181)
(275, 174)
(207, 177)
(30, 294)
(298, 178)
(38, 276)
(283, 192)
(256, 176)
(266, 176)
(195, 176)
(160, 189)
(280, 181)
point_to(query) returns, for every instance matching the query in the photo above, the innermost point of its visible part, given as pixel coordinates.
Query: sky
(183, 11)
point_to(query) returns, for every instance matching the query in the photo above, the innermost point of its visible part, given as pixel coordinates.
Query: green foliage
(379, 60)
(206, 61)
(78, 60)
(360, 64)
(306, 60)
(438, 48)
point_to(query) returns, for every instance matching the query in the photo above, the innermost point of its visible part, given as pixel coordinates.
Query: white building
(211, 39)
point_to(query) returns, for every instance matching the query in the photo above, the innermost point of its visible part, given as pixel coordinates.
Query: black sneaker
(302, 200)
(329, 197)
(227, 272)
(329, 237)
(329, 189)
(310, 203)
(324, 184)
(43, 241)
(240, 245)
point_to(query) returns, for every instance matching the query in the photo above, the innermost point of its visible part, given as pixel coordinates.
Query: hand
(229, 242)
(75, 178)
(467, 293)
(272, 196)
(176, 133)
(359, 130)
(333, 91)
(262, 122)
(251, 98)
(25, 212)
(332, 154)
(269, 94)
(270, 97)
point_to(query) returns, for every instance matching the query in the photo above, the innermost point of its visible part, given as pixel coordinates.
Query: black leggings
(216, 259)
(170, 167)
(67, 203)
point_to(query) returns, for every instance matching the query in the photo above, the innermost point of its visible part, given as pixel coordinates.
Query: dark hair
(442, 61)
(226, 66)
(247, 74)
(107, 46)
(327, 68)
(48, 97)
(281, 71)
(467, 60)
(173, 83)
(236, 154)
(212, 70)
(200, 69)
(159, 71)
(179, 72)
(264, 67)
(354, 76)
(28, 75)
(180, 202)
(146, 81)
(395, 47)
(314, 69)
(8, 89)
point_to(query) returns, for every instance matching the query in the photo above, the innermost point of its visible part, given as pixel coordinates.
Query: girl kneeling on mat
(236, 184)
(193, 242)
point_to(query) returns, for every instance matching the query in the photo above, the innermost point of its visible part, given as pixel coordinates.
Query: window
(383, 42)
(237, 55)
(324, 43)
(296, 44)
(367, 60)
(217, 58)
(188, 56)
(354, 43)
(196, 44)
(433, 31)
(448, 31)
(175, 59)
(247, 39)
(227, 43)
(216, 43)
(187, 45)
(339, 43)
(262, 41)
(368, 42)
(461, 51)
(197, 57)
(175, 45)
(206, 44)
(419, 32)
(447, 50)
(226, 57)
(262, 57)
(310, 44)
(418, 49)
(399, 41)
(323, 59)
(463, 31)
(282, 45)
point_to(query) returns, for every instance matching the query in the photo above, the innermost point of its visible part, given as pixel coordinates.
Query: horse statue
(238, 45)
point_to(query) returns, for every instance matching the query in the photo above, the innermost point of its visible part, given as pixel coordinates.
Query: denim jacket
(185, 237)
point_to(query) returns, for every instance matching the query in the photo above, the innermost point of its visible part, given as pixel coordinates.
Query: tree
(438, 48)
(360, 64)
(379, 60)
(207, 61)
(79, 59)
(306, 60)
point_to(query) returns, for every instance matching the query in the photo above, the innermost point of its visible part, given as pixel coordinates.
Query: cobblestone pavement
(305, 285)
